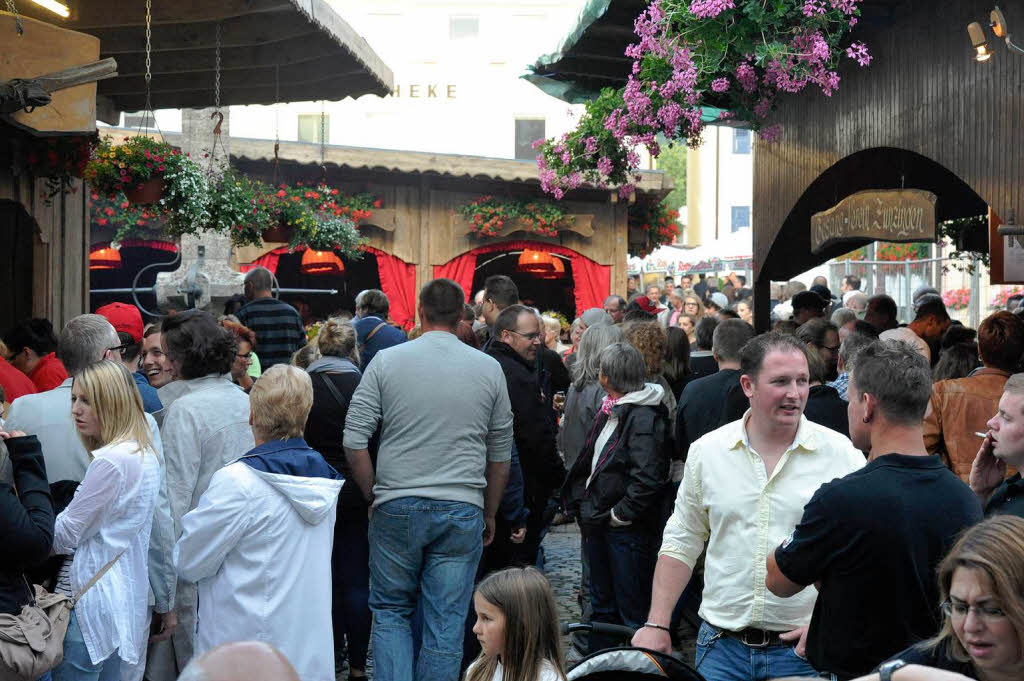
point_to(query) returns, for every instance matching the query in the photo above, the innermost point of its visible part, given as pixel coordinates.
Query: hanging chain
(277, 122)
(323, 140)
(216, 77)
(18, 25)
(149, 62)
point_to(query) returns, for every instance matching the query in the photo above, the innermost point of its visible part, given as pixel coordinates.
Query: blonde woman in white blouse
(109, 518)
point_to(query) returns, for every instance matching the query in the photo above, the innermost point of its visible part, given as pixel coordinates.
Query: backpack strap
(333, 390)
(371, 335)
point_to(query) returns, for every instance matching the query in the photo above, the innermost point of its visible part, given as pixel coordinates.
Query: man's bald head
(242, 661)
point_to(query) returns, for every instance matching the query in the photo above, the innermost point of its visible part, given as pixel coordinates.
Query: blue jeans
(621, 564)
(77, 666)
(722, 658)
(350, 566)
(427, 551)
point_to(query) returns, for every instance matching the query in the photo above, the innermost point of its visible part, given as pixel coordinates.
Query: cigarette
(981, 435)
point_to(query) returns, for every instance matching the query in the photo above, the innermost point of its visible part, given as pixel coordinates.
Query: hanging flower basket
(489, 215)
(58, 160)
(241, 208)
(185, 200)
(651, 225)
(279, 232)
(695, 57)
(148, 192)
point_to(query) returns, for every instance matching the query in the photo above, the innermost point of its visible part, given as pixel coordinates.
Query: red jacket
(49, 373)
(14, 382)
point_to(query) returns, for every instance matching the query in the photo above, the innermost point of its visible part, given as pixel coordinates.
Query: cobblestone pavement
(563, 569)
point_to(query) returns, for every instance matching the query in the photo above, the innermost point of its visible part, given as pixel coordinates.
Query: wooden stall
(419, 223)
(925, 115)
(44, 236)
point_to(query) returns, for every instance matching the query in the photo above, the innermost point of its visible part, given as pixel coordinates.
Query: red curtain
(268, 260)
(398, 281)
(460, 270)
(592, 282)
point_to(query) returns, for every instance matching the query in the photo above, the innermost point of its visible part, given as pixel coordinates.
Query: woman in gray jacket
(585, 394)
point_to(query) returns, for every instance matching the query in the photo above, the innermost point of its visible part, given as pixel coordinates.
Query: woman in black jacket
(26, 518)
(335, 376)
(615, 488)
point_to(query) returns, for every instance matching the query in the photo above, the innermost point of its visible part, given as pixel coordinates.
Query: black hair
(201, 345)
(885, 305)
(899, 378)
(501, 290)
(234, 303)
(727, 313)
(131, 349)
(36, 334)
(634, 313)
(677, 355)
(729, 338)
(932, 308)
(441, 302)
(853, 281)
(704, 332)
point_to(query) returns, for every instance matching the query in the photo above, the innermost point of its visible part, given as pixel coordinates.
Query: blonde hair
(280, 401)
(306, 355)
(994, 547)
(337, 338)
(691, 296)
(114, 398)
(531, 626)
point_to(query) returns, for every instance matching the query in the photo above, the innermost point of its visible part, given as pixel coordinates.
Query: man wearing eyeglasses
(517, 339)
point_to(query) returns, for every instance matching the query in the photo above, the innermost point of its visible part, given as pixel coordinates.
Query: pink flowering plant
(734, 55)
(957, 299)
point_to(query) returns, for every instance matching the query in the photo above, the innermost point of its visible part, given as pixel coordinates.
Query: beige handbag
(32, 643)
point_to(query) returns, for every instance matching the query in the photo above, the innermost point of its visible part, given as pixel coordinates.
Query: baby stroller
(626, 664)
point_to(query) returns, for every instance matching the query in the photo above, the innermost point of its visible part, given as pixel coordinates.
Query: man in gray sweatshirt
(445, 443)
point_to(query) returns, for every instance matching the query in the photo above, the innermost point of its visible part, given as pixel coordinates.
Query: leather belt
(756, 638)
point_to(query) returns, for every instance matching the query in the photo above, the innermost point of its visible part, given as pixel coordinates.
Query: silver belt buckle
(765, 641)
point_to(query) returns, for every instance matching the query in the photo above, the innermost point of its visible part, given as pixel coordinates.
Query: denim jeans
(621, 561)
(425, 550)
(723, 658)
(77, 666)
(350, 576)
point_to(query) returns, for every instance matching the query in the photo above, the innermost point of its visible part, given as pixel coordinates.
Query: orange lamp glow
(103, 257)
(321, 262)
(557, 273)
(536, 262)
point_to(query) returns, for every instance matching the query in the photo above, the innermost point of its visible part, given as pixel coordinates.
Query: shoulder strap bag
(32, 642)
(371, 335)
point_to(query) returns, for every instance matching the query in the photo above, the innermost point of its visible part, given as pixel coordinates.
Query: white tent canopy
(735, 247)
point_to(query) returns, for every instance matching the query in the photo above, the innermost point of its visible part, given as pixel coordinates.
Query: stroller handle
(617, 630)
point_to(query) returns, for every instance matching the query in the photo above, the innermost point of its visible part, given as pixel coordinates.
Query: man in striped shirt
(278, 327)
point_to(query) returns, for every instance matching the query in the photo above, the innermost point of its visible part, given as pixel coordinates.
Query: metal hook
(220, 121)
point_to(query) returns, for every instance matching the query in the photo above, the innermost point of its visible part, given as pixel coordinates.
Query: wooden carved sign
(885, 215)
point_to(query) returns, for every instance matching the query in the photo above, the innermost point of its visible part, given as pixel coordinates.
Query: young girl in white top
(517, 628)
(109, 518)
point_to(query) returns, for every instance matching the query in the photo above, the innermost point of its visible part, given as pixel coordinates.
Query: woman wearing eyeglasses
(242, 373)
(982, 635)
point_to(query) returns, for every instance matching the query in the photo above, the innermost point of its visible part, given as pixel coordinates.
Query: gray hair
(851, 345)
(588, 354)
(623, 366)
(898, 377)
(84, 340)
(259, 278)
(858, 302)
(843, 315)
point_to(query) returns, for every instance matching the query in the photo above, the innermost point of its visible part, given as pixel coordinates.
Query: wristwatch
(885, 670)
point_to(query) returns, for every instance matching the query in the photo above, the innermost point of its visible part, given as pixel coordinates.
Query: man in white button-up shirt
(743, 492)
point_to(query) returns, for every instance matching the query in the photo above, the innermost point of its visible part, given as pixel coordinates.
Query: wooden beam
(315, 72)
(90, 14)
(279, 52)
(243, 31)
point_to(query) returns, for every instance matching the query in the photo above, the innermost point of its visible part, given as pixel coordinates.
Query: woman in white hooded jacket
(259, 542)
(108, 522)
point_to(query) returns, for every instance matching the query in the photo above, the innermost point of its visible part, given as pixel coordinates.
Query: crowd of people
(835, 498)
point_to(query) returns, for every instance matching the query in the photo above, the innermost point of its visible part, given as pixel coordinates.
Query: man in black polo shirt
(871, 541)
(277, 325)
(710, 402)
(1003, 446)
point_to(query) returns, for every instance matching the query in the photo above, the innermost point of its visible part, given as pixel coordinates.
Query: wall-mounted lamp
(60, 8)
(997, 22)
(979, 41)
